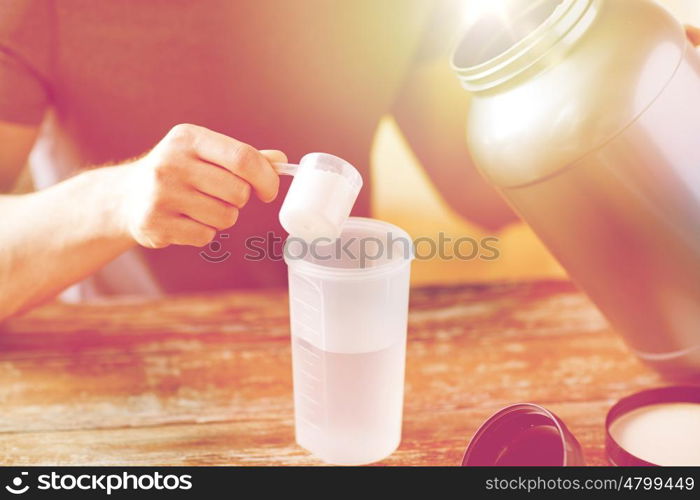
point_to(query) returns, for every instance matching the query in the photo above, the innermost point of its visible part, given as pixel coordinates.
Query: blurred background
(415, 197)
(420, 208)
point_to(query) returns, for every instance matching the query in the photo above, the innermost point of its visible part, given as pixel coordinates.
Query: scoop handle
(285, 168)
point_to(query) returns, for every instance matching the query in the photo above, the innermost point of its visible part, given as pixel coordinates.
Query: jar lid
(617, 455)
(527, 434)
(523, 435)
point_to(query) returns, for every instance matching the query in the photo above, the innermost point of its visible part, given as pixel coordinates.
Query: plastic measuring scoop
(321, 197)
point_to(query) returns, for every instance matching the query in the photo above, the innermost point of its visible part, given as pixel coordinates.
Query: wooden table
(204, 380)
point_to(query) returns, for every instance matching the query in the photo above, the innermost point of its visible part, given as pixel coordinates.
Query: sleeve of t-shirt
(25, 60)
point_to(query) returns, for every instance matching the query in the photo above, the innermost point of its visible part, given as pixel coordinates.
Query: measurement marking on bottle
(309, 398)
(306, 319)
(307, 374)
(304, 328)
(309, 352)
(309, 422)
(311, 363)
(305, 304)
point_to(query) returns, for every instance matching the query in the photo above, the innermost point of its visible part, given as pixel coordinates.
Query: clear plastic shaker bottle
(349, 313)
(320, 198)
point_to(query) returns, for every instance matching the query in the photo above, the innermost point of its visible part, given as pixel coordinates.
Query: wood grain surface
(206, 380)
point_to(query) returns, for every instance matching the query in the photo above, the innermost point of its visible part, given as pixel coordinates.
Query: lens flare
(478, 9)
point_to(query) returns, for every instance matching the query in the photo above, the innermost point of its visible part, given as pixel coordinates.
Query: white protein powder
(663, 434)
(317, 205)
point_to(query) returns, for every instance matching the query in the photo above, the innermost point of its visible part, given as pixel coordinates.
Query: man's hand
(193, 183)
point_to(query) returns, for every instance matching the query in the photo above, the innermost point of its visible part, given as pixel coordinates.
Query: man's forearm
(58, 236)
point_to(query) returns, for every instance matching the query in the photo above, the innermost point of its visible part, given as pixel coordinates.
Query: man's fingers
(274, 156)
(205, 209)
(693, 35)
(220, 183)
(252, 166)
(240, 159)
(182, 230)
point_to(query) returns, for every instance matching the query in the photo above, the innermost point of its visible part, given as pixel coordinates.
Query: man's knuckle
(204, 236)
(225, 217)
(240, 193)
(231, 217)
(244, 156)
(164, 170)
(245, 193)
(182, 133)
